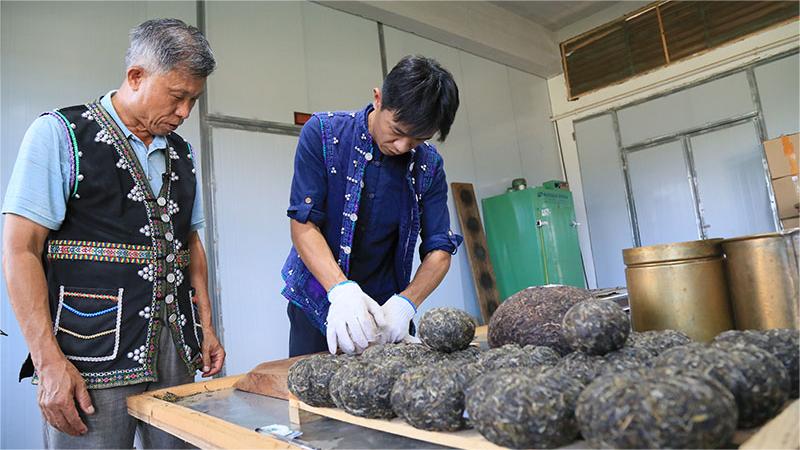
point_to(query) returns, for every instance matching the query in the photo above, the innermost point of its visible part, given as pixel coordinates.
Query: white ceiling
(554, 15)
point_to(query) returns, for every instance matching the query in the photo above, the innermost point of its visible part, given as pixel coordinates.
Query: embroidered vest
(346, 161)
(119, 263)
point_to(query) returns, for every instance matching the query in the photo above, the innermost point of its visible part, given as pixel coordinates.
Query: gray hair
(161, 45)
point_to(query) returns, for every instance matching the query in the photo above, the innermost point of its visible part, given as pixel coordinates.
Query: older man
(367, 184)
(102, 213)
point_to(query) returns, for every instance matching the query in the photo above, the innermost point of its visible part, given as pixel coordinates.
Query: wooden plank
(269, 378)
(477, 250)
(465, 439)
(195, 427)
(782, 432)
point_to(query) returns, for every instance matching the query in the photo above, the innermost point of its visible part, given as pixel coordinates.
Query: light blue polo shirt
(39, 186)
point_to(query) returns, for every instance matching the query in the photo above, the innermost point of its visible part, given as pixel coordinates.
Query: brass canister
(679, 286)
(763, 279)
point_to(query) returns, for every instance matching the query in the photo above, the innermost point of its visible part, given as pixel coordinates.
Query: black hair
(422, 95)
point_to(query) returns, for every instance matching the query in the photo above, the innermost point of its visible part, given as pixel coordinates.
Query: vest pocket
(87, 323)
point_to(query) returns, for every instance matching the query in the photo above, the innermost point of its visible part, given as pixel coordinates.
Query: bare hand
(213, 353)
(60, 387)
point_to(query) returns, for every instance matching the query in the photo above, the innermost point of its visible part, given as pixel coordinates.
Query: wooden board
(779, 433)
(477, 250)
(269, 378)
(466, 439)
(195, 427)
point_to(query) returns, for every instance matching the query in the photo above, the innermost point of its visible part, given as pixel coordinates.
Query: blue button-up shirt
(372, 260)
(39, 187)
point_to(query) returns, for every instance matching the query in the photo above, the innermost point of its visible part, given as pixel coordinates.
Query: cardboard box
(787, 196)
(792, 222)
(782, 155)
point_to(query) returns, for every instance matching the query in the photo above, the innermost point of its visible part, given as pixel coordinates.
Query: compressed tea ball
(416, 354)
(751, 337)
(626, 358)
(446, 329)
(542, 356)
(523, 408)
(533, 317)
(308, 379)
(430, 398)
(764, 387)
(584, 368)
(364, 388)
(723, 367)
(351, 364)
(596, 327)
(512, 355)
(470, 354)
(782, 343)
(657, 341)
(658, 409)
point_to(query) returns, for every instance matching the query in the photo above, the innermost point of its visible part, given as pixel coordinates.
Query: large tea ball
(533, 317)
(308, 379)
(596, 327)
(656, 409)
(524, 408)
(446, 329)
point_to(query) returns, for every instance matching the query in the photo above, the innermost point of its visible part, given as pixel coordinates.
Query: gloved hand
(398, 312)
(352, 318)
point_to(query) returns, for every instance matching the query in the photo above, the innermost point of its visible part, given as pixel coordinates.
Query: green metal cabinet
(533, 239)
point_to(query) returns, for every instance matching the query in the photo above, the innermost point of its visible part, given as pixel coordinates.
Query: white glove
(398, 312)
(352, 318)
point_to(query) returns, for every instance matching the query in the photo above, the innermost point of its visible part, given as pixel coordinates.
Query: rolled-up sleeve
(309, 183)
(435, 219)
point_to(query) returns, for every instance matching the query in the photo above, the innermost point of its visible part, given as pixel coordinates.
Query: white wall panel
(662, 195)
(260, 52)
(731, 182)
(779, 88)
(709, 102)
(492, 126)
(535, 135)
(604, 194)
(253, 172)
(342, 59)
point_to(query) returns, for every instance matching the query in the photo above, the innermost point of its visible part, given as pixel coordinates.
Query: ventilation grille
(660, 34)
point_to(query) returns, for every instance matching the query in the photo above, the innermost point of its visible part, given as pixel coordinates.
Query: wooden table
(212, 414)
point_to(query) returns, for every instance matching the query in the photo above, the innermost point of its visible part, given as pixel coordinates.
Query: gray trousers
(111, 426)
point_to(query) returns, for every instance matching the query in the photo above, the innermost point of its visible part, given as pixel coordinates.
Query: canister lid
(672, 252)
(792, 232)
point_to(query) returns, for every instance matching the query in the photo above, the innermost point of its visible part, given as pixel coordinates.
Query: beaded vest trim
(108, 252)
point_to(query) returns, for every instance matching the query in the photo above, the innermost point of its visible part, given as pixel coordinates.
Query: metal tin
(763, 278)
(679, 286)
